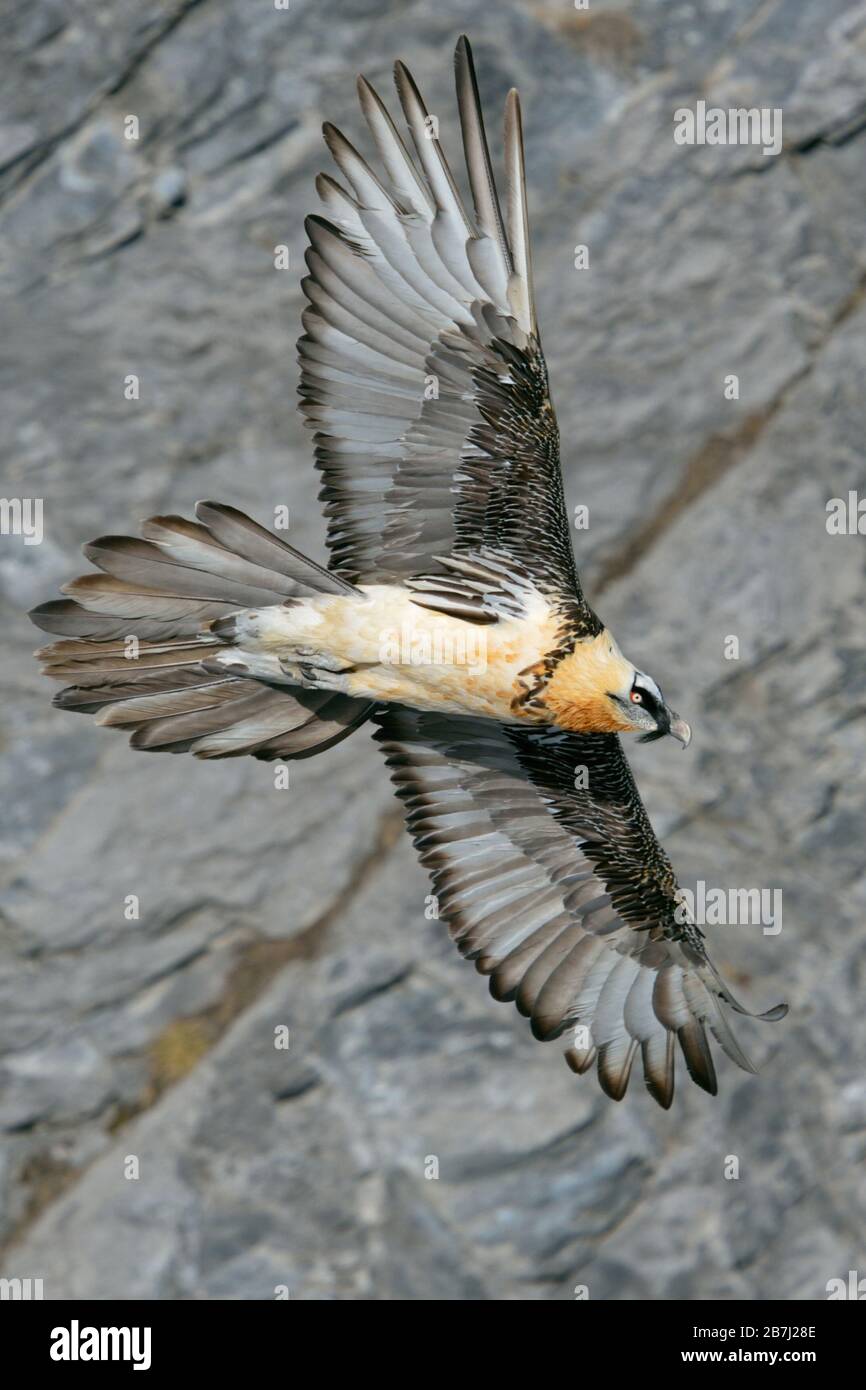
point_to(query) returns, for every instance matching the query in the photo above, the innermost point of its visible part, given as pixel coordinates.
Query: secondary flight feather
(424, 382)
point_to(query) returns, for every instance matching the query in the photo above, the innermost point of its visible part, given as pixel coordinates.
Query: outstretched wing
(550, 878)
(422, 369)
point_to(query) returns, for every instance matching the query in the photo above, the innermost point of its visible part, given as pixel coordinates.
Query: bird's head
(595, 689)
(643, 705)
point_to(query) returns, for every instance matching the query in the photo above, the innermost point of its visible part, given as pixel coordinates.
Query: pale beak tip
(680, 730)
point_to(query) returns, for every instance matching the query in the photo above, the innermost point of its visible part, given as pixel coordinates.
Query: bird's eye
(637, 698)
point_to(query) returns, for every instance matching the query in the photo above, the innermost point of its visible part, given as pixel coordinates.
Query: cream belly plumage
(381, 645)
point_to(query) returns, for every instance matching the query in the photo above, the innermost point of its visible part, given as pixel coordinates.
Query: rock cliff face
(259, 909)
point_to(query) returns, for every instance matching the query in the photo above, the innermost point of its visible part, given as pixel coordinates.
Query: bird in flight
(450, 614)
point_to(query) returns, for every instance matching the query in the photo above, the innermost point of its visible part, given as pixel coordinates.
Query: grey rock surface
(152, 1038)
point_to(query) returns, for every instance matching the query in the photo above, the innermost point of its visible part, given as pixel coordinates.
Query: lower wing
(551, 879)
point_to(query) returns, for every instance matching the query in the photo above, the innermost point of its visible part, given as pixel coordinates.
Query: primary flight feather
(451, 613)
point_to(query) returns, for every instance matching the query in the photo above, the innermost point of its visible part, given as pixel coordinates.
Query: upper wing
(561, 894)
(422, 370)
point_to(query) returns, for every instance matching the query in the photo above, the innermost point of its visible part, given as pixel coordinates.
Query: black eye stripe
(647, 699)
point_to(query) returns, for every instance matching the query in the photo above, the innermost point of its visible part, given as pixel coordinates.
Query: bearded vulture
(450, 614)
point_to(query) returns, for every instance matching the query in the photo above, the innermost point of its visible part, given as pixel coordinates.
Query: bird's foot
(315, 670)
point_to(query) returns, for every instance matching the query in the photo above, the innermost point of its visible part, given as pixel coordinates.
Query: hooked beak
(680, 730)
(670, 723)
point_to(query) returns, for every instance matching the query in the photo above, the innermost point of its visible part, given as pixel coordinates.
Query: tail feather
(184, 570)
(72, 619)
(138, 641)
(93, 663)
(239, 533)
(333, 721)
(132, 691)
(102, 593)
(209, 693)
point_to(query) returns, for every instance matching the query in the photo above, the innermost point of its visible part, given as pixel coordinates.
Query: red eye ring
(637, 697)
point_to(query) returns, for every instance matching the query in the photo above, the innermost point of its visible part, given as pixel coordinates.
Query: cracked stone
(313, 1168)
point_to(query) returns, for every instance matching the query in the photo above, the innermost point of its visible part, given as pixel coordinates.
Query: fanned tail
(139, 639)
